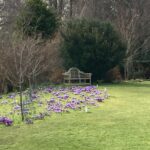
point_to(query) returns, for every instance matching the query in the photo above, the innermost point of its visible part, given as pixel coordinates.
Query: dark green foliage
(37, 19)
(92, 46)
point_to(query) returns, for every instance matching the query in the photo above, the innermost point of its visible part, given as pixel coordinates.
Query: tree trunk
(30, 90)
(71, 7)
(21, 104)
(125, 71)
(61, 5)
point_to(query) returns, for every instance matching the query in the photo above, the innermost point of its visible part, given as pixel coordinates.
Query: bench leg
(79, 80)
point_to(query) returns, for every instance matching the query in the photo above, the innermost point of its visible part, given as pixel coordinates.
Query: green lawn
(120, 123)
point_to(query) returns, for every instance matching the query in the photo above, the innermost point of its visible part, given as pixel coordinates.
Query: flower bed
(46, 101)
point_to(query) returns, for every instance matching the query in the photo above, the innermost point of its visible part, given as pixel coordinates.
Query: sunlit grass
(120, 123)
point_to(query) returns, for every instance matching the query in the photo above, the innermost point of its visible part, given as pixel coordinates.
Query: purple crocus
(34, 96)
(1, 119)
(11, 96)
(17, 107)
(99, 99)
(65, 96)
(6, 121)
(49, 90)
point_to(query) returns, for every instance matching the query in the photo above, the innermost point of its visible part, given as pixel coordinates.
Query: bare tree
(132, 22)
(23, 60)
(130, 18)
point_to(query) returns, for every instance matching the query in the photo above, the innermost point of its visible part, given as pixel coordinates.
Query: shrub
(92, 46)
(147, 73)
(56, 76)
(114, 75)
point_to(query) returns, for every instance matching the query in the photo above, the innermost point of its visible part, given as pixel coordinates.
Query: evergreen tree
(92, 46)
(36, 18)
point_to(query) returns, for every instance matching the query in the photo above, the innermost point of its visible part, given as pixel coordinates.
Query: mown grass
(120, 123)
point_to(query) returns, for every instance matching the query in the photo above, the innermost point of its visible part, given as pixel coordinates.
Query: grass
(121, 123)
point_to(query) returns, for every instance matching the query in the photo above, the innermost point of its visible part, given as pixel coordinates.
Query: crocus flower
(17, 107)
(6, 121)
(11, 96)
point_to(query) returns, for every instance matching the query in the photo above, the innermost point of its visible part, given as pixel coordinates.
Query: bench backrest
(74, 72)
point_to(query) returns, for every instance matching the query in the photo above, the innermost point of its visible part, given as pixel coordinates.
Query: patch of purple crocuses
(6, 121)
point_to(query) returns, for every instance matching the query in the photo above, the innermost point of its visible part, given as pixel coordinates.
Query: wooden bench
(75, 76)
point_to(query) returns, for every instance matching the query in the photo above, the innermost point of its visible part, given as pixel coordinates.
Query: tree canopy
(36, 18)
